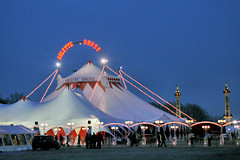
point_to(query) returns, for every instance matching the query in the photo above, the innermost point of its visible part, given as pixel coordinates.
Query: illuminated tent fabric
(63, 108)
(111, 97)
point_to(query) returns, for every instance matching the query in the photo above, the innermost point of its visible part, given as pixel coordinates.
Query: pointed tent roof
(115, 100)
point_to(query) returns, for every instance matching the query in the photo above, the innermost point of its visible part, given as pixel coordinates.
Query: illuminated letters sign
(64, 50)
(71, 44)
(91, 44)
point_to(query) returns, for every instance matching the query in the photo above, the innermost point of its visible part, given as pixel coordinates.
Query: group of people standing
(94, 141)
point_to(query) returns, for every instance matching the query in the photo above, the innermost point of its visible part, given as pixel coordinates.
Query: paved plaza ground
(122, 152)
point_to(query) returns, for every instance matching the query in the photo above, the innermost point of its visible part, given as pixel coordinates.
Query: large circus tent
(69, 102)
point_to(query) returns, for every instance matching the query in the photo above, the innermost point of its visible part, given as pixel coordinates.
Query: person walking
(163, 140)
(159, 139)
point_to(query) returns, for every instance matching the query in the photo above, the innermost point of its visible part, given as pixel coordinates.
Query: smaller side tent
(15, 138)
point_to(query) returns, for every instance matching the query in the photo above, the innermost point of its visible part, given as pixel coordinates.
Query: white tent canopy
(64, 108)
(111, 97)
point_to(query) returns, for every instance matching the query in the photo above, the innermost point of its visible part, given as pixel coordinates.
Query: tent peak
(89, 62)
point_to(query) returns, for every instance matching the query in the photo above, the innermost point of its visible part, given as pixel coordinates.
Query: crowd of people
(94, 141)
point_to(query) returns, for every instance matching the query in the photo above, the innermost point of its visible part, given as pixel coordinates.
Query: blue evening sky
(193, 43)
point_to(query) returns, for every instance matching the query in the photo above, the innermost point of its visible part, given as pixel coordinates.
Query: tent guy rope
(41, 84)
(147, 94)
(156, 94)
(48, 86)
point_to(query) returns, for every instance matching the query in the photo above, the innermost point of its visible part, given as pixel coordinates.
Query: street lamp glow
(70, 124)
(128, 122)
(174, 127)
(104, 61)
(189, 121)
(58, 64)
(159, 122)
(100, 123)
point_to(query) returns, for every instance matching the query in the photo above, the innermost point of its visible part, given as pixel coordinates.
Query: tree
(3, 101)
(13, 98)
(193, 110)
(196, 112)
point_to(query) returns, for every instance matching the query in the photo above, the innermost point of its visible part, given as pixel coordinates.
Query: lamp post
(128, 124)
(190, 134)
(114, 143)
(99, 125)
(205, 127)
(159, 123)
(144, 128)
(158, 131)
(44, 125)
(221, 122)
(238, 137)
(174, 135)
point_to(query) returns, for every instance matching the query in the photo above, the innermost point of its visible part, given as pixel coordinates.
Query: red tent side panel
(50, 132)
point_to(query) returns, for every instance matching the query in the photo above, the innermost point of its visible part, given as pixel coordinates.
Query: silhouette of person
(61, 139)
(159, 139)
(79, 139)
(99, 140)
(87, 139)
(94, 140)
(163, 140)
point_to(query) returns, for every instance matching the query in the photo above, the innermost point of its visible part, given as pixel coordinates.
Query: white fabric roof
(19, 129)
(63, 108)
(121, 104)
(88, 72)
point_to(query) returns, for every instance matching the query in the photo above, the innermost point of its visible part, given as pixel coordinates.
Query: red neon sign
(71, 44)
(64, 50)
(91, 44)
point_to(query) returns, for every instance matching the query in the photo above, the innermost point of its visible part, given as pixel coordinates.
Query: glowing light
(70, 124)
(206, 122)
(159, 122)
(91, 44)
(64, 50)
(58, 64)
(235, 122)
(104, 61)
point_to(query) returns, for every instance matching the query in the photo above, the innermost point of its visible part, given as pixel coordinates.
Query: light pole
(70, 124)
(44, 125)
(174, 136)
(238, 137)
(128, 124)
(205, 127)
(114, 143)
(159, 123)
(99, 125)
(221, 122)
(190, 134)
(158, 131)
(144, 128)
